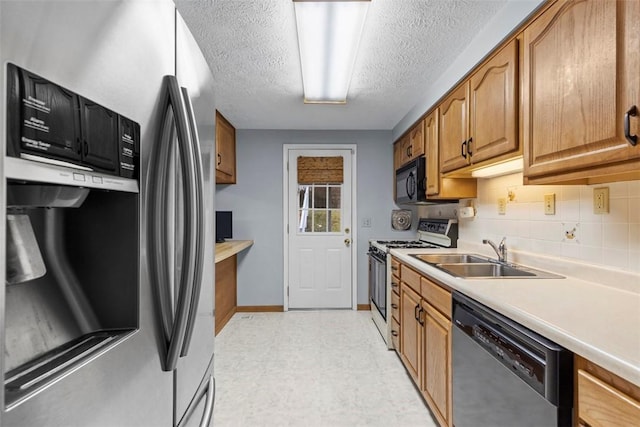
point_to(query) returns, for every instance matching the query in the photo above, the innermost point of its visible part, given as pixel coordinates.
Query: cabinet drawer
(395, 306)
(395, 334)
(395, 267)
(395, 284)
(603, 405)
(436, 295)
(410, 277)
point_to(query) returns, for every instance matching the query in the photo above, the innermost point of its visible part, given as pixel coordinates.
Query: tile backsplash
(574, 231)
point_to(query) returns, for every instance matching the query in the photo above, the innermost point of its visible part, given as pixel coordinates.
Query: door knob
(347, 242)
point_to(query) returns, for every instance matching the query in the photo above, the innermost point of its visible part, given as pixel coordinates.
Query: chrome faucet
(501, 249)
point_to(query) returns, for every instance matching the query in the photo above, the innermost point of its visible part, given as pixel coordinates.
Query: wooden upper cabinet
(398, 149)
(581, 75)
(479, 119)
(439, 187)
(416, 141)
(225, 151)
(454, 129)
(431, 148)
(410, 146)
(493, 108)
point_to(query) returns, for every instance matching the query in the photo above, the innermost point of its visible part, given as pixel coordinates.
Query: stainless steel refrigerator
(108, 318)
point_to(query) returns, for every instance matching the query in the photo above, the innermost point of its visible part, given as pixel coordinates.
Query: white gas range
(432, 233)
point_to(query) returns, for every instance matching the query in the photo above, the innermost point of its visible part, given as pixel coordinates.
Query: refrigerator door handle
(199, 225)
(206, 387)
(174, 326)
(208, 406)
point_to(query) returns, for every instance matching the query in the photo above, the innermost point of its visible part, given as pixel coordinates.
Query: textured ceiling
(252, 49)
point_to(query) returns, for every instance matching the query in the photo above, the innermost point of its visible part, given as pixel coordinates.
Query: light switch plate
(502, 205)
(550, 204)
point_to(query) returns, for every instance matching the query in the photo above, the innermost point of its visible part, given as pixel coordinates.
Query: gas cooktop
(432, 233)
(408, 244)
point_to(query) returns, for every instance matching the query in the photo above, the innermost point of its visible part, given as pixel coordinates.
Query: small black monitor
(223, 226)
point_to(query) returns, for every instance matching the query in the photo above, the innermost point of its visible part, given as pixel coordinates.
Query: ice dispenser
(72, 280)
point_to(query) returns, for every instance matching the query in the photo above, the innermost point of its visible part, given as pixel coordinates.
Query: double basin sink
(471, 266)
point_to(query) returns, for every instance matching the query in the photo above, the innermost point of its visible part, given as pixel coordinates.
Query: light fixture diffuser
(499, 169)
(328, 38)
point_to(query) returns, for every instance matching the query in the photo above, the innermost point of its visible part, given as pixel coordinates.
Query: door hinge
(287, 166)
(287, 290)
(287, 228)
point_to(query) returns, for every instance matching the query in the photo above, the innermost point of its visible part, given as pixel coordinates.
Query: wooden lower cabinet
(411, 331)
(603, 399)
(436, 384)
(425, 345)
(226, 299)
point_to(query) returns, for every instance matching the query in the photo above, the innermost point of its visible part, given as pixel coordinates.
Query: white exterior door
(319, 235)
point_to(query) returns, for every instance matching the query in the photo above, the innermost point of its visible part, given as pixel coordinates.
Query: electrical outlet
(601, 200)
(502, 205)
(550, 204)
(366, 222)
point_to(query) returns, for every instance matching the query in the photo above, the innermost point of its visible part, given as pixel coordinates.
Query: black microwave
(49, 123)
(411, 182)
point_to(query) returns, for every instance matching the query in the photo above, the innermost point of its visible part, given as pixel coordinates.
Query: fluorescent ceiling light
(328, 37)
(504, 168)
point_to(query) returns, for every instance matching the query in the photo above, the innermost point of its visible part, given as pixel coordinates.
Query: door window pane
(319, 208)
(304, 222)
(304, 196)
(334, 197)
(320, 197)
(319, 220)
(334, 220)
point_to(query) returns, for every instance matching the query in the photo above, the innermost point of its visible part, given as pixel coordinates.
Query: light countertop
(599, 322)
(229, 248)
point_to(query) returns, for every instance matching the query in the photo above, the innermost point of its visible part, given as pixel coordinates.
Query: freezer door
(199, 413)
(116, 53)
(194, 75)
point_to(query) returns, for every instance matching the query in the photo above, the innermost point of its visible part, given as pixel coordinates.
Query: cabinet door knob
(219, 159)
(394, 306)
(469, 147)
(632, 139)
(463, 148)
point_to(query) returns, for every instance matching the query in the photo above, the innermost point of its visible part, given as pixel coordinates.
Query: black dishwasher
(505, 375)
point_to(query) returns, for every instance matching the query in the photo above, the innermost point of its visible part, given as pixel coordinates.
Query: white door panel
(319, 238)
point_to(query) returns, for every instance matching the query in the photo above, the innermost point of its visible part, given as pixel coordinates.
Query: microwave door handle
(411, 183)
(158, 236)
(185, 284)
(199, 228)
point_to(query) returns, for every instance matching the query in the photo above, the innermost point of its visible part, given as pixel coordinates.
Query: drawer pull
(632, 139)
(394, 306)
(394, 333)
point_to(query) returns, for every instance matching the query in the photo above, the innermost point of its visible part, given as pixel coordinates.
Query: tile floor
(311, 368)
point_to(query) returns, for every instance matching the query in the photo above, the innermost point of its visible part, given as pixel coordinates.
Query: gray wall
(256, 201)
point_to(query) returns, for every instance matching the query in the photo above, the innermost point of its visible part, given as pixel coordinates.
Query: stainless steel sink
(450, 258)
(489, 270)
(471, 266)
